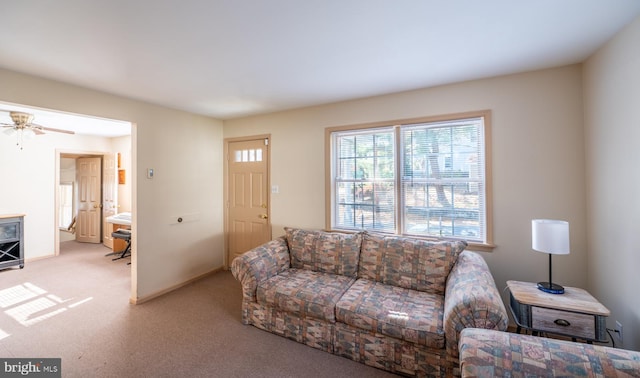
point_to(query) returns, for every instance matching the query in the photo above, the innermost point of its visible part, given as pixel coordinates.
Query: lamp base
(551, 288)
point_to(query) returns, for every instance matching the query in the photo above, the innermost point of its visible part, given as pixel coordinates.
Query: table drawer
(563, 322)
(9, 232)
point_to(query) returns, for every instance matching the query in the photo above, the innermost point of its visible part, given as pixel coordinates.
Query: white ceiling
(229, 59)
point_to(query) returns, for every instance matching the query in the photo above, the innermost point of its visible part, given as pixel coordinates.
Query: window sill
(480, 247)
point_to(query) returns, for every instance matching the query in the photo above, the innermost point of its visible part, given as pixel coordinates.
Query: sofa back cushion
(409, 262)
(322, 251)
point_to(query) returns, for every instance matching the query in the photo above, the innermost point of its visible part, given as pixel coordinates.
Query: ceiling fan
(24, 128)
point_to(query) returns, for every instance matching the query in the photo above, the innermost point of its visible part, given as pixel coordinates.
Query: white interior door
(89, 219)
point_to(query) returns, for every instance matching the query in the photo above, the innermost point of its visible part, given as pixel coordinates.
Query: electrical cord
(613, 342)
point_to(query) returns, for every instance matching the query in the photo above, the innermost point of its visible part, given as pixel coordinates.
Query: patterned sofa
(487, 353)
(395, 303)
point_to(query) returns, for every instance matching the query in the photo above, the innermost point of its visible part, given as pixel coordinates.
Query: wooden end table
(575, 313)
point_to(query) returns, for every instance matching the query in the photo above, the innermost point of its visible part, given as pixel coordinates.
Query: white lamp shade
(550, 236)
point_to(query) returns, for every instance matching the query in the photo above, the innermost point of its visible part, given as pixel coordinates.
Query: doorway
(90, 136)
(86, 195)
(247, 201)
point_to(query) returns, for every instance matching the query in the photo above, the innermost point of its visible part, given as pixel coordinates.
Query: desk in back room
(121, 220)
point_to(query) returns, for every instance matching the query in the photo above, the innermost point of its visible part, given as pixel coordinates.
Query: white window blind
(66, 205)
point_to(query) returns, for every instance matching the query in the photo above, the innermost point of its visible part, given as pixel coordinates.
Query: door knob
(264, 216)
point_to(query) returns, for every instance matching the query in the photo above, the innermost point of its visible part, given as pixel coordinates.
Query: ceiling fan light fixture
(23, 134)
(28, 133)
(10, 131)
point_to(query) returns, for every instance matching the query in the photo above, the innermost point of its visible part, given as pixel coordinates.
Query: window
(365, 180)
(425, 177)
(66, 205)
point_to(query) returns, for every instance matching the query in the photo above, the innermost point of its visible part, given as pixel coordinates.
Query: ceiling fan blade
(37, 131)
(54, 130)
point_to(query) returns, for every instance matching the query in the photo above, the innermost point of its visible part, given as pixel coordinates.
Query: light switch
(150, 173)
(275, 189)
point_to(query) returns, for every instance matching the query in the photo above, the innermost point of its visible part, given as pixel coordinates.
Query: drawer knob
(562, 322)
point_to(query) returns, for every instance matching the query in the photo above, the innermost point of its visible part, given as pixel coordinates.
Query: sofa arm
(471, 300)
(259, 264)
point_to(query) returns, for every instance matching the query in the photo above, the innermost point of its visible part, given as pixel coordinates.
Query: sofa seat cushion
(393, 311)
(304, 293)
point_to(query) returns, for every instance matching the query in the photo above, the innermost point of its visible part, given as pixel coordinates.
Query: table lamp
(552, 237)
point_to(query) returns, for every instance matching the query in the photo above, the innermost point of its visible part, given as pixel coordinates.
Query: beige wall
(184, 149)
(538, 160)
(612, 135)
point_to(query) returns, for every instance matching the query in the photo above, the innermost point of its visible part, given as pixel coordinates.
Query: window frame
(330, 194)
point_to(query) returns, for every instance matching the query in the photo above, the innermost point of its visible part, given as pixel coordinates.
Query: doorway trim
(227, 142)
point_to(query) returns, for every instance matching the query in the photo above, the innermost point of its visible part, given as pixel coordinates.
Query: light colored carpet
(76, 307)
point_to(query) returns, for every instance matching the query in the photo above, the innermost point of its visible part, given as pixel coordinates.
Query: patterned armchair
(487, 353)
(395, 303)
